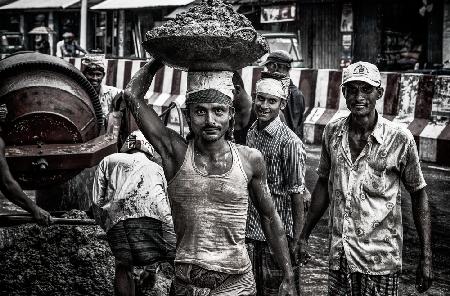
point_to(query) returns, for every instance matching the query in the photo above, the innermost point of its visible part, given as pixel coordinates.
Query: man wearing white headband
(94, 70)
(364, 160)
(210, 180)
(130, 203)
(285, 156)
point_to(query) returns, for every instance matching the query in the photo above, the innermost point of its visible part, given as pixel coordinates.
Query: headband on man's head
(274, 87)
(210, 87)
(208, 96)
(94, 61)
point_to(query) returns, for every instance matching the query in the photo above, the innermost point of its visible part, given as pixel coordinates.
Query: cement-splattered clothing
(129, 186)
(106, 98)
(210, 213)
(365, 210)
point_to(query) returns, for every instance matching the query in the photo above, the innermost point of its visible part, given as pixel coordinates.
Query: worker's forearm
(421, 216)
(146, 118)
(142, 80)
(276, 237)
(19, 198)
(319, 203)
(298, 214)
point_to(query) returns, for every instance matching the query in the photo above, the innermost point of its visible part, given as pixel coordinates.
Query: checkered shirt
(285, 156)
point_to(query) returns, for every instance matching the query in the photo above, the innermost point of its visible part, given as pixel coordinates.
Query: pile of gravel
(59, 260)
(55, 260)
(210, 18)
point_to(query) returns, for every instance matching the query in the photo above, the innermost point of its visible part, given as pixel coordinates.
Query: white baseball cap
(362, 71)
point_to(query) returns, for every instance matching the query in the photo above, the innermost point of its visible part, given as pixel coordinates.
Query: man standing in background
(285, 156)
(278, 64)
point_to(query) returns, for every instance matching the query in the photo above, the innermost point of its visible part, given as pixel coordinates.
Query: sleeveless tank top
(209, 214)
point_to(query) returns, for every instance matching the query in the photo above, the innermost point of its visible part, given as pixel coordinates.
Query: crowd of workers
(228, 205)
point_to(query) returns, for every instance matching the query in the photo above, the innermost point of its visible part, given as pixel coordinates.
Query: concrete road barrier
(419, 102)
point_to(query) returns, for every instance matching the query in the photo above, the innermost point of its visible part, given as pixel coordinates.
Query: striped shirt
(285, 156)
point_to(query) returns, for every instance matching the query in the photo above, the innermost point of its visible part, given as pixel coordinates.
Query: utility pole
(83, 24)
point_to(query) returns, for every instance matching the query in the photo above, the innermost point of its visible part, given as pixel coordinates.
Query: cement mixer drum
(49, 101)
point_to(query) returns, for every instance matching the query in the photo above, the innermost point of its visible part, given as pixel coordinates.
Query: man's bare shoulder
(252, 159)
(248, 153)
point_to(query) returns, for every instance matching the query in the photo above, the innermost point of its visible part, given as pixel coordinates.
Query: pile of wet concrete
(60, 260)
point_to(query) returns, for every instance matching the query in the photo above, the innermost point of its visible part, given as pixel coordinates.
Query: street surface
(314, 275)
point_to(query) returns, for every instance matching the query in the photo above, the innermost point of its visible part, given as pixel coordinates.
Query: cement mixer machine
(53, 129)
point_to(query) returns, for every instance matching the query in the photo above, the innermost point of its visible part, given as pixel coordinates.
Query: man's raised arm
(271, 223)
(164, 140)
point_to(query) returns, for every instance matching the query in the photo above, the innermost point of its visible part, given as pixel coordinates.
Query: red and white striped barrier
(411, 99)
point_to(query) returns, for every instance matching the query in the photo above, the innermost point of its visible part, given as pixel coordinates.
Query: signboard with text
(278, 13)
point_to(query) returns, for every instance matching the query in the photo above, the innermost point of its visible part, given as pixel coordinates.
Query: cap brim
(363, 79)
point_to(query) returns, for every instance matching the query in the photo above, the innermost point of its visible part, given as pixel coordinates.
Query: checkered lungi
(268, 275)
(341, 282)
(142, 241)
(192, 280)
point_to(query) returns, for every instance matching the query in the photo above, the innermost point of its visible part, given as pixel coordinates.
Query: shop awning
(40, 4)
(133, 4)
(186, 7)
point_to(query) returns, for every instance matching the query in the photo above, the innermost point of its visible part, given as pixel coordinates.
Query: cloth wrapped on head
(210, 87)
(274, 87)
(94, 61)
(136, 140)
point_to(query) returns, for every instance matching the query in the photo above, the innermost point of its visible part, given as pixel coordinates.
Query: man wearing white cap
(129, 201)
(209, 188)
(285, 157)
(364, 158)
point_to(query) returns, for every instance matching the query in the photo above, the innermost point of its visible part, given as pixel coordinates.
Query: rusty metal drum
(49, 101)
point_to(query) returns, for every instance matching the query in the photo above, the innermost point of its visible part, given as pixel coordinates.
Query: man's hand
(424, 275)
(302, 252)
(293, 252)
(42, 217)
(287, 287)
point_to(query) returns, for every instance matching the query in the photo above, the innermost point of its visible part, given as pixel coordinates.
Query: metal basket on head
(209, 53)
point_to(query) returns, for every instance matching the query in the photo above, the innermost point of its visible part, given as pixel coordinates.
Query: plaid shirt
(285, 156)
(365, 210)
